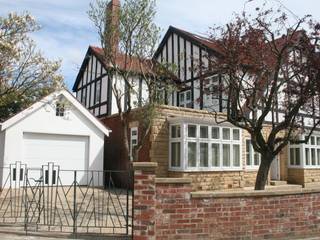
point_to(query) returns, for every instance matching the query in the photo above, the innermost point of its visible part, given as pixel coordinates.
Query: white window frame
(131, 141)
(303, 148)
(185, 103)
(252, 152)
(174, 140)
(184, 139)
(60, 109)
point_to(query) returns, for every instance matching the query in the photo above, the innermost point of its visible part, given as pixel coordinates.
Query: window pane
(248, 152)
(226, 155)
(313, 156)
(188, 95)
(236, 134)
(204, 154)
(175, 154)
(318, 156)
(175, 131)
(226, 133)
(292, 162)
(204, 132)
(192, 131)
(256, 158)
(307, 156)
(313, 142)
(297, 156)
(192, 154)
(318, 140)
(215, 132)
(215, 155)
(134, 133)
(236, 155)
(181, 97)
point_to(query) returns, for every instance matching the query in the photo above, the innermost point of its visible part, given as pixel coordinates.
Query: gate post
(74, 203)
(144, 200)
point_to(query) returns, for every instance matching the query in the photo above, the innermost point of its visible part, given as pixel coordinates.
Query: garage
(51, 139)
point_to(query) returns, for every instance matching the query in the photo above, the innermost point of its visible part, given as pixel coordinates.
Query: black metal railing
(69, 201)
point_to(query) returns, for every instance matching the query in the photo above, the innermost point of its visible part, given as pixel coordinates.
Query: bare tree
(25, 74)
(271, 70)
(129, 38)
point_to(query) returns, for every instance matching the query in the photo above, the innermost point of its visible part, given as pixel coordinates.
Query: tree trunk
(263, 172)
(125, 140)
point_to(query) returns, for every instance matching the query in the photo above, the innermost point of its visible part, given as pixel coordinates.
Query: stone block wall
(218, 180)
(304, 177)
(165, 209)
(156, 149)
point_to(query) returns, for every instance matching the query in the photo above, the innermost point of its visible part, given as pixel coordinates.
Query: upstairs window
(97, 92)
(185, 99)
(60, 109)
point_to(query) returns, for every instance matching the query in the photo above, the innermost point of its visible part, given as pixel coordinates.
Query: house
(185, 140)
(56, 133)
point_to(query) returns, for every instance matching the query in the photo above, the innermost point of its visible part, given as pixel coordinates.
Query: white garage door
(70, 152)
(67, 151)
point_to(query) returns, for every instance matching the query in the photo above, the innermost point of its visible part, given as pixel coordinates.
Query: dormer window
(60, 109)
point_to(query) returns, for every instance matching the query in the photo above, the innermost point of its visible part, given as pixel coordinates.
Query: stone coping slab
(173, 180)
(144, 165)
(251, 193)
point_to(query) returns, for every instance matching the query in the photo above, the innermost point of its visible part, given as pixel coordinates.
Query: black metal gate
(55, 200)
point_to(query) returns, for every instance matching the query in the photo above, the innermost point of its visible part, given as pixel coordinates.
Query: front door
(275, 169)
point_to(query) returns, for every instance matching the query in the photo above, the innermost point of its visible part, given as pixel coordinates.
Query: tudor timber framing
(186, 67)
(87, 80)
(88, 77)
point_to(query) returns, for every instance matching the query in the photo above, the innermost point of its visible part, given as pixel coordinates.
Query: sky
(67, 32)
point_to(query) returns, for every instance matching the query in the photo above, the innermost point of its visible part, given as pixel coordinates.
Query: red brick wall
(169, 211)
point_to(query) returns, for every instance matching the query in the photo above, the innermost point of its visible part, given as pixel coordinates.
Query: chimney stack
(112, 26)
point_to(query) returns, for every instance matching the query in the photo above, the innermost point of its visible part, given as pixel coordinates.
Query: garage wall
(45, 121)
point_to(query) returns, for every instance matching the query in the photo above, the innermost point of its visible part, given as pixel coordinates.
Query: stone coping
(173, 180)
(252, 193)
(144, 165)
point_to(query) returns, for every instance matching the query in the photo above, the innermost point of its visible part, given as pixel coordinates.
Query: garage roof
(23, 114)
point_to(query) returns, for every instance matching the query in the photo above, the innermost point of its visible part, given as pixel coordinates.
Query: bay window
(200, 147)
(305, 155)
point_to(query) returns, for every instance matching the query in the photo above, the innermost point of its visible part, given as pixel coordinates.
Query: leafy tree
(25, 74)
(129, 38)
(271, 70)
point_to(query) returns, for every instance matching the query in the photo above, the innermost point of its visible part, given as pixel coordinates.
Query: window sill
(251, 169)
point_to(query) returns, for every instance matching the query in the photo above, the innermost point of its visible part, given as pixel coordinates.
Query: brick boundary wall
(166, 208)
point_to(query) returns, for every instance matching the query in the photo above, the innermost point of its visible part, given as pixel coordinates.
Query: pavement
(9, 236)
(50, 236)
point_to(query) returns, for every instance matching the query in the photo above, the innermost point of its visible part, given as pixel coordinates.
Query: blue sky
(66, 30)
